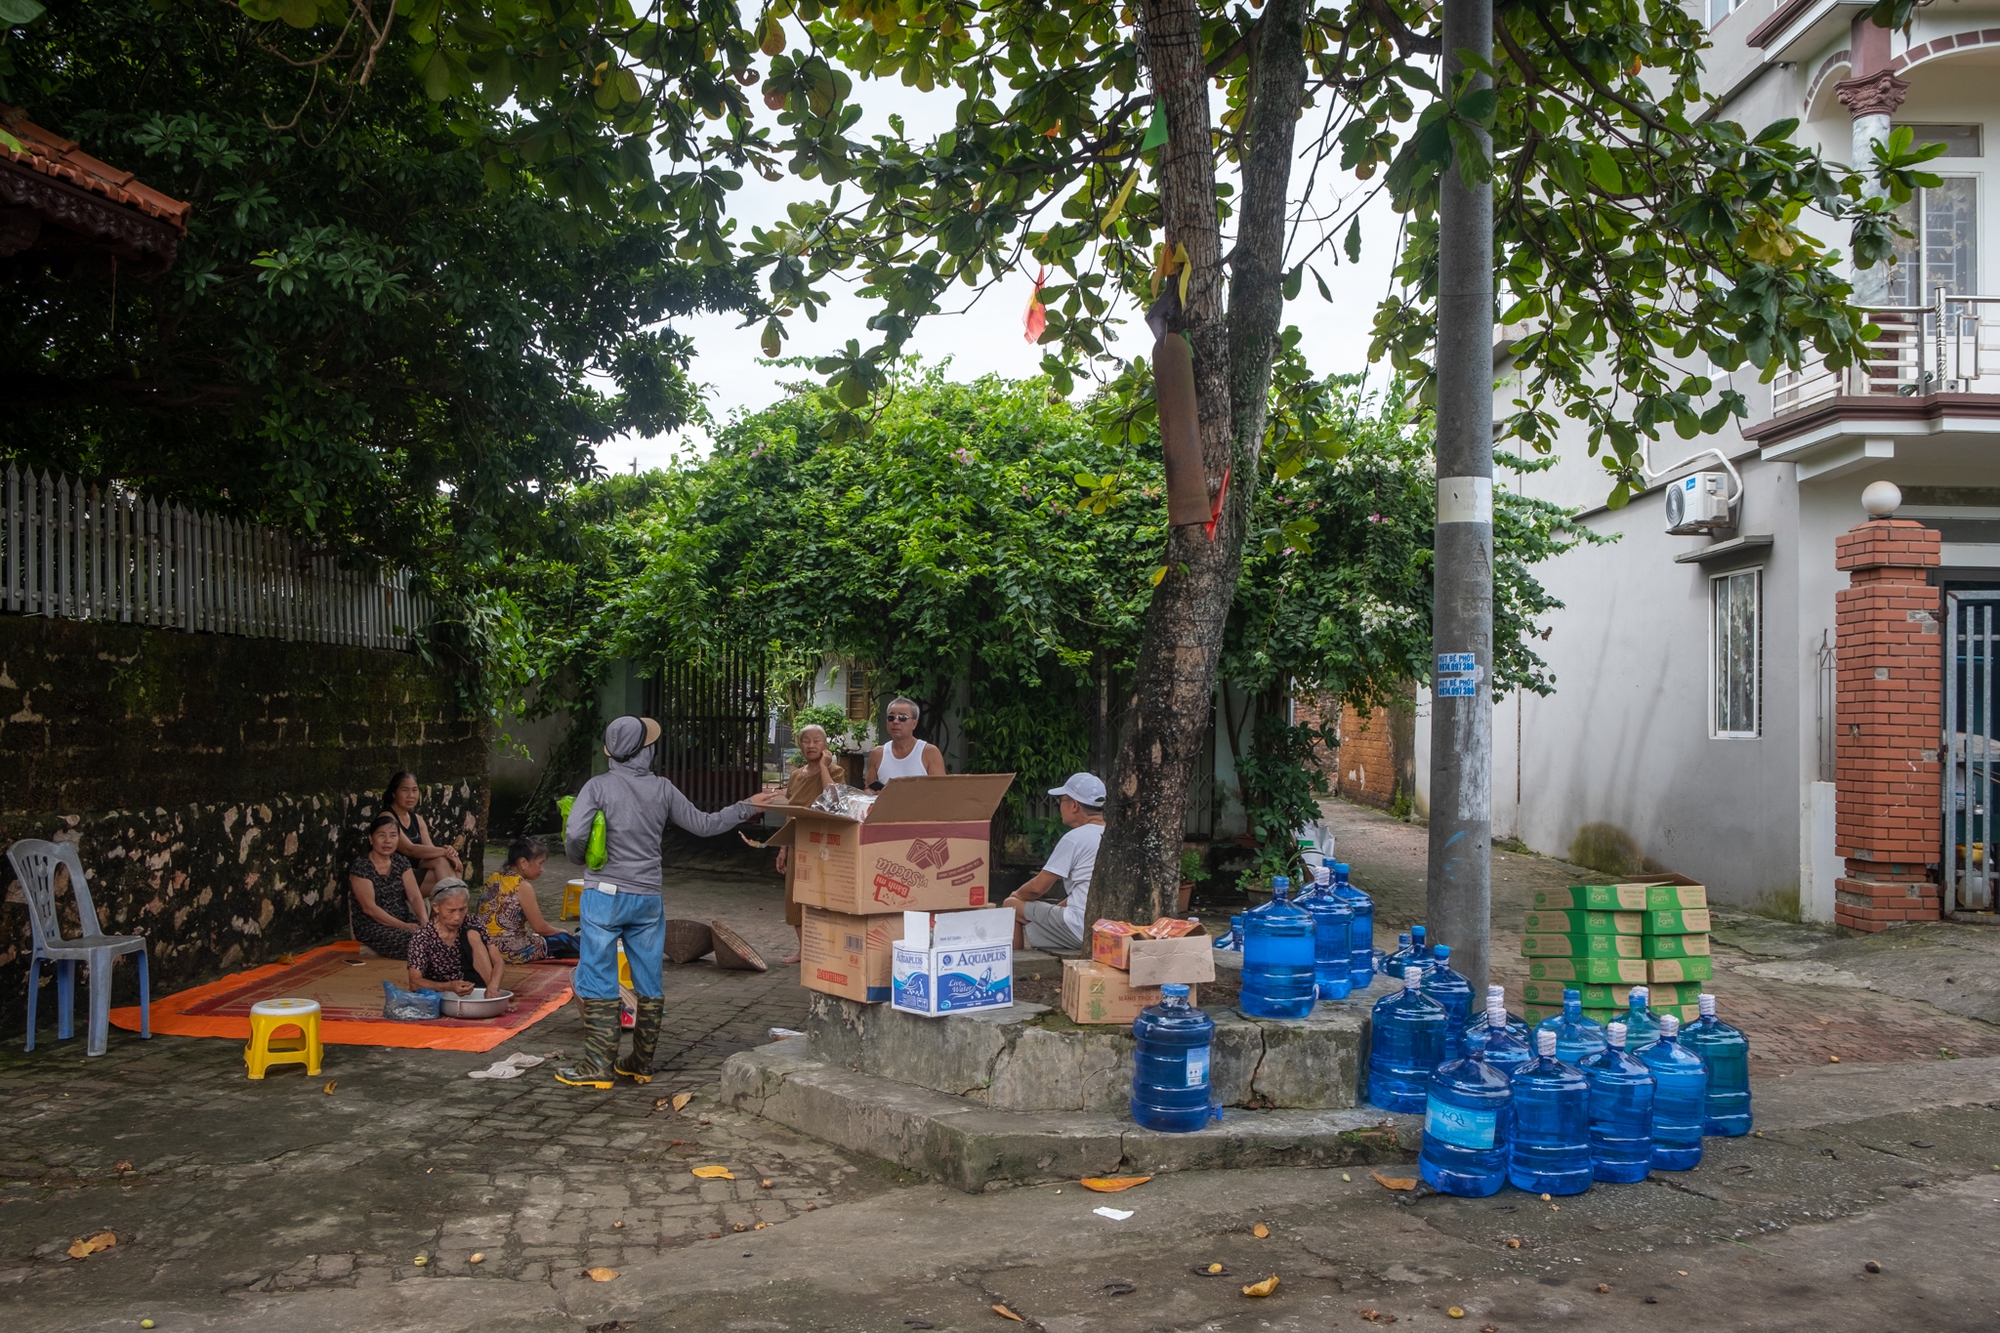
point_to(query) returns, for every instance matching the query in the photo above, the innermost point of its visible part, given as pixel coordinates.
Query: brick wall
(1889, 698)
(214, 785)
(1376, 758)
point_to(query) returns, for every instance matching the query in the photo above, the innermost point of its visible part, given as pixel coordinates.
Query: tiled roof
(52, 155)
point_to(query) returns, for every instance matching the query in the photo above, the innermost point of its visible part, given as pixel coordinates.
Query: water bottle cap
(1440, 951)
(1413, 978)
(1569, 995)
(1616, 1034)
(1281, 881)
(1545, 1043)
(1416, 932)
(1496, 1014)
(1707, 1003)
(1404, 939)
(1640, 995)
(1495, 993)
(1178, 989)
(1669, 1026)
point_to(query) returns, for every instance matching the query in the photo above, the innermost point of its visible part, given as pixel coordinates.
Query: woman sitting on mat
(388, 907)
(433, 862)
(508, 915)
(444, 955)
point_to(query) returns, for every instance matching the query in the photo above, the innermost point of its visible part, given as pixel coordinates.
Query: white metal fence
(1949, 346)
(78, 553)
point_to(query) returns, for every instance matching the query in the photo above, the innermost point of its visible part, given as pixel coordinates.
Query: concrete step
(973, 1147)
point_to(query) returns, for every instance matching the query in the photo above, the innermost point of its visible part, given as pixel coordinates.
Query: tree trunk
(1138, 869)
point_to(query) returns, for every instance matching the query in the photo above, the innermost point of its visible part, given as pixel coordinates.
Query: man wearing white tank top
(904, 756)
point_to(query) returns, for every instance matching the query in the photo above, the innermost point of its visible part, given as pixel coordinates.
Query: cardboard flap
(786, 836)
(954, 796)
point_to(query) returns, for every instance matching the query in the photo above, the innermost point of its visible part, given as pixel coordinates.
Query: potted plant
(1193, 871)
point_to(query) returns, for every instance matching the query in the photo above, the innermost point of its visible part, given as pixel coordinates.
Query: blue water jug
(1277, 957)
(1576, 1035)
(1415, 951)
(1680, 1083)
(1170, 1067)
(1362, 970)
(1405, 1047)
(1726, 1052)
(1506, 1048)
(1517, 1027)
(1550, 1151)
(1467, 1119)
(1642, 1026)
(1452, 991)
(1333, 937)
(1621, 1111)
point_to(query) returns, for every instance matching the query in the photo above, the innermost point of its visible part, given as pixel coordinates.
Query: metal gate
(714, 726)
(1972, 654)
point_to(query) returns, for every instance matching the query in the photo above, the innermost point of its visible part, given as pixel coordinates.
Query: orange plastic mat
(349, 990)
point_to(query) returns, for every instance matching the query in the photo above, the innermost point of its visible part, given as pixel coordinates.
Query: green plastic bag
(594, 853)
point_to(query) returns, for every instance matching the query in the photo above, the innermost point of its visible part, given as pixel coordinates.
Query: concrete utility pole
(1459, 886)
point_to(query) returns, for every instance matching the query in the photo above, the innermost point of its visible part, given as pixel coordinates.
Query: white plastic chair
(35, 862)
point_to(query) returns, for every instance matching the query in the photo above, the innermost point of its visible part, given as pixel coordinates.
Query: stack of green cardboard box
(1604, 939)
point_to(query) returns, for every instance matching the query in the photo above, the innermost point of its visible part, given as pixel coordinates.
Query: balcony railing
(1949, 346)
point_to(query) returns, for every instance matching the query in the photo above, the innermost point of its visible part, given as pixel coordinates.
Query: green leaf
(1352, 244)
(437, 77)
(1604, 171)
(15, 13)
(299, 13)
(1156, 130)
(1294, 282)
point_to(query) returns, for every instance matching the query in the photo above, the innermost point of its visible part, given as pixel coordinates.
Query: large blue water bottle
(1551, 1145)
(1516, 1026)
(1414, 951)
(1361, 972)
(1406, 1046)
(1277, 957)
(1170, 1068)
(1576, 1035)
(1726, 1052)
(1333, 937)
(1680, 1082)
(1506, 1047)
(1621, 1112)
(1467, 1121)
(1452, 991)
(1642, 1027)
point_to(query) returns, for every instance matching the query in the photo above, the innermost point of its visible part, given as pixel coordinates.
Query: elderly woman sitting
(444, 955)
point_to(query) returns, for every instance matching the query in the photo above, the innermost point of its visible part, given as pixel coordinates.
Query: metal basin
(477, 1005)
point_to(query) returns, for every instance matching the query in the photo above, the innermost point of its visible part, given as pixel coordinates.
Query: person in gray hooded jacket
(621, 900)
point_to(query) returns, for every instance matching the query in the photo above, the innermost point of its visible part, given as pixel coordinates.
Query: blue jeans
(640, 919)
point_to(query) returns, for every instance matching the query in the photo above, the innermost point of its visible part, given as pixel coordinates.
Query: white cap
(1323, 873)
(1496, 993)
(1085, 789)
(1616, 1032)
(1641, 993)
(1545, 1043)
(1413, 978)
(1707, 1003)
(1669, 1026)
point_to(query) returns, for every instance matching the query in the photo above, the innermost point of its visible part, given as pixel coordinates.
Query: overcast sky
(988, 339)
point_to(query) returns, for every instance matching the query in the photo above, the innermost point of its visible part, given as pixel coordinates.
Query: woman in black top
(413, 836)
(388, 908)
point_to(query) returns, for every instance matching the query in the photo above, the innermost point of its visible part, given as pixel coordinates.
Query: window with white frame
(1719, 10)
(1737, 654)
(1943, 247)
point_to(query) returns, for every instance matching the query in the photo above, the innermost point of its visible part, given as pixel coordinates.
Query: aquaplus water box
(933, 982)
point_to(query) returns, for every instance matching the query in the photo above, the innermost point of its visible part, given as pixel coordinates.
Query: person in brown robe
(816, 771)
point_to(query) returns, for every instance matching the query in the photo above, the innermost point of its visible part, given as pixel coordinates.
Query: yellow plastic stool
(266, 1048)
(572, 908)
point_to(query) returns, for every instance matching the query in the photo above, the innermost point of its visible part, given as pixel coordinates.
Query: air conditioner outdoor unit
(1698, 502)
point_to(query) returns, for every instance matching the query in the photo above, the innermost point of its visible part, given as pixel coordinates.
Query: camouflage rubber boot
(600, 1047)
(645, 1038)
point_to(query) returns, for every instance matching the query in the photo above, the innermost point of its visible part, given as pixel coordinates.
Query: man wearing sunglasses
(904, 756)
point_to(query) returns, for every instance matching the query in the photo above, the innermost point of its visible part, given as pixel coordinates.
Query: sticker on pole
(1457, 676)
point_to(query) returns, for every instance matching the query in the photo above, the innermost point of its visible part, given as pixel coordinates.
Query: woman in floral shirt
(444, 955)
(508, 915)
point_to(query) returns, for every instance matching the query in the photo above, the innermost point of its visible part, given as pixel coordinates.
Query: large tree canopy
(362, 339)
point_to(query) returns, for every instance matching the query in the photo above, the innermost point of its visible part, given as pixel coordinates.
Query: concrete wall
(214, 785)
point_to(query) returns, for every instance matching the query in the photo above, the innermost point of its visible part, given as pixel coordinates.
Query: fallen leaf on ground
(763, 1184)
(122, 1166)
(600, 1274)
(1603, 1288)
(1394, 1182)
(1215, 1270)
(1513, 1242)
(330, 1085)
(82, 1248)
(1118, 1287)
(741, 1226)
(681, 1099)
(1264, 1288)
(1456, 1312)
(760, 1226)
(1489, 1328)
(1260, 1231)
(1005, 1313)
(715, 1173)
(1112, 1184)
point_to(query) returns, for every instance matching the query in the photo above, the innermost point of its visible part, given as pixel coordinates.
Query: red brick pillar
(1889, 702)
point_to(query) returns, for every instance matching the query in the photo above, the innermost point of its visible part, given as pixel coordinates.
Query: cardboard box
(1668, 891)
(1095, 993)
(924, 847)
(1598, 971)
(847, 955)
(1582, 946)
(1677, 946)
(1680, 969)
(1584, 923)
(933, 982)
(959, 930)
(1596, 995)
(1677, 921)
(1185, 958)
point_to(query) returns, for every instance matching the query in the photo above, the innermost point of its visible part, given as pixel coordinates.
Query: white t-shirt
(1072, 862)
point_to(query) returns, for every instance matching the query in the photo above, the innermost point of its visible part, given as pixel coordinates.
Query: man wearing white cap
(1059, 926)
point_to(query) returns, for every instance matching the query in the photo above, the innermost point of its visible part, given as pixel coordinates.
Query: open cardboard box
(925, 847)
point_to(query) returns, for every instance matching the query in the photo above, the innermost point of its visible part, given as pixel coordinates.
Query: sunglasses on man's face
(901, 717)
